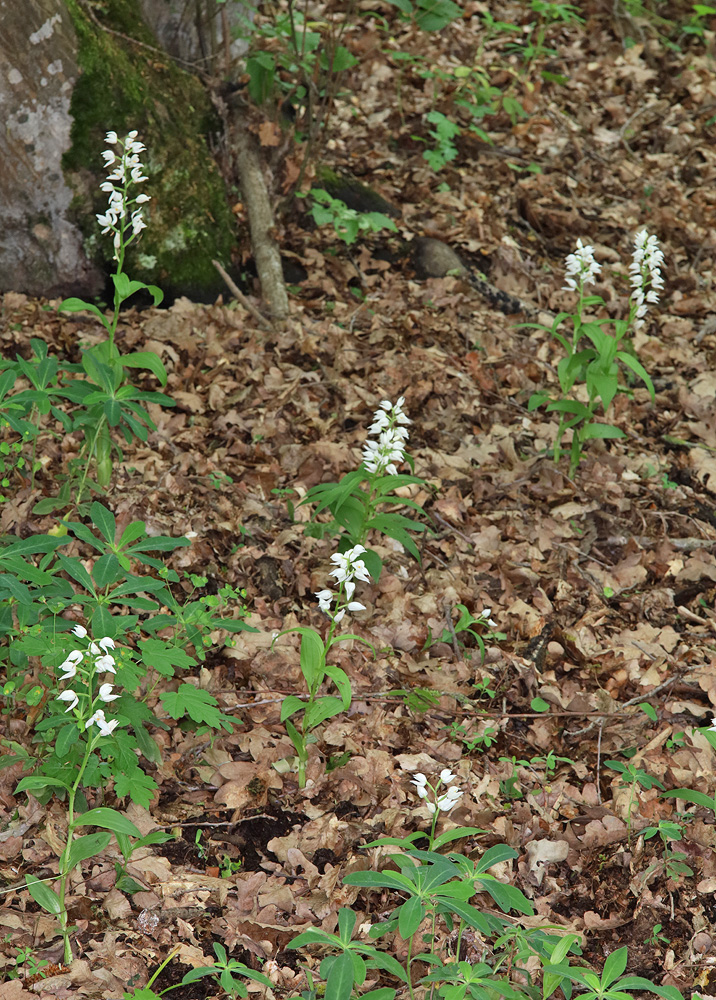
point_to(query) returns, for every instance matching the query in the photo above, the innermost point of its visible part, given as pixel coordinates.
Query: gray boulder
(41, 250)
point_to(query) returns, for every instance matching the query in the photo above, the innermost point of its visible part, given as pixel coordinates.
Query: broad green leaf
(380, 880)
(87, 847)
(346, 923)
(322, 709)
(636, 366)
(43, 895)
(149, 360)
(312, 657)
(340, 679)
(614, 966)
(139, 787)
(495, 855)
(108, 819)
(339, 984)
(34, 782)
(290, 705)
(104, 520)
(74, 305)
(458, 834)
(410, 916)
(601, 431)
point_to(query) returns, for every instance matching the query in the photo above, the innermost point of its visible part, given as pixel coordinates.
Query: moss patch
(125, 86)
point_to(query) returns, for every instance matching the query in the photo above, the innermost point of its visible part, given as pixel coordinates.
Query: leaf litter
(604, 585)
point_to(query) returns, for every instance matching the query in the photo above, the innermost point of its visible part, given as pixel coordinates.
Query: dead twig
(238, 294)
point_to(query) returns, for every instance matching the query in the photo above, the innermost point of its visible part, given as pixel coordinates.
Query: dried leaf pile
(604, 584)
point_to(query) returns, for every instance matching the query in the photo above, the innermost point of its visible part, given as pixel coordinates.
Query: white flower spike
(388, 451)
(582, 268)
(123, 217)
(645, 270)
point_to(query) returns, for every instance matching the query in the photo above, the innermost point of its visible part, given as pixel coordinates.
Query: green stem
(409, 970)
(90, 451)
(64, 858)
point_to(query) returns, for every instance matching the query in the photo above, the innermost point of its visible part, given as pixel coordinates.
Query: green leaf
(197, 704)
(312, 657)
(689, 795)
(601, 431)
(322, 709)
(108, 819)
(346, 923)
(290, 705)
(34, 782)
(139, 787)
(339, 984)
(43, 895)
(614, 966)
(340, 679)
(148, 360)
(539, 705)
(450, 835)
(87, 847)
(380, 880)
(73, 305)
(163, 657)
(104, 520)
(636, 366)
(410, 916)
(649, 711)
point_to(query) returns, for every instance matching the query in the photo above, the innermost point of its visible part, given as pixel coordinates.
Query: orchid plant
(348, 567)
(85, 753)
(356, 508)
(598, 365)
(124, 219)
(108, 402)
(439, 909)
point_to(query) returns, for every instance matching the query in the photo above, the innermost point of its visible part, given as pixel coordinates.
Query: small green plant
(104, 399)
(465, 625)
(438, 893)
(548, 14)
(656, 936)
(444, 133)
(674, 861)
(85, 751)
(608, 986)
(228, 867)
(598, 365)
(475, 740)
(225, 970)
(314, 650)
(631, 777)
(428, 15)
(201, 849)
(356, 510)
(347, 222)
(27, 965)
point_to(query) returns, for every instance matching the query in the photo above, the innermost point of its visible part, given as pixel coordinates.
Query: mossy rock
(125, 86)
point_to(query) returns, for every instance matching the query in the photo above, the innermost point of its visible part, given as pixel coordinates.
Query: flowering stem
(64, 858)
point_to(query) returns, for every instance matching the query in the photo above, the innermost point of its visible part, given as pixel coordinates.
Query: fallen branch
(238, 294)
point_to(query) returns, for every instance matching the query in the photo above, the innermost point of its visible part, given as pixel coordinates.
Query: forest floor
(603, 583)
